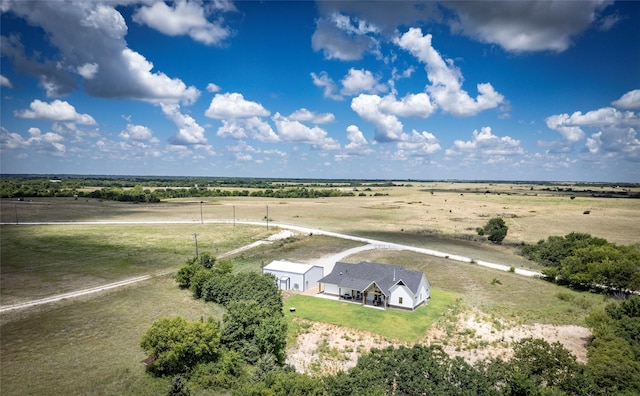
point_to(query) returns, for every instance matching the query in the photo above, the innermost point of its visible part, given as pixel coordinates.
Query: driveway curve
(326, 262)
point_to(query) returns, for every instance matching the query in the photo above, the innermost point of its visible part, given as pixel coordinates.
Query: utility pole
(15, 207)
(195, 238)
(201, 212)
(267, 217)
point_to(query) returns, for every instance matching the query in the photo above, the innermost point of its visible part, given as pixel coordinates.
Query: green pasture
(500, 294)
(92, 347)
(44, 260)
(393, 324)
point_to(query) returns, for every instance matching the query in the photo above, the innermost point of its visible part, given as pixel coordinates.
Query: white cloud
(615, 143)
(305, 115)
(446, 79)
(88, 70)
(614, 132)
(243, 128)
(234, 105)
(138, 133)
(357, 145)
(325, 82)
(359, 81)
(184, 18)
(340, 38)
(5, 82)
(211, 87)
(189, 132)
(412, 105)
(419, 143)
(521, 26)
(570, 126)
(485, 144)
(387, 126)
(90, 38)
(629, 101)
(49, 142)
(58, 110)
(295, 132)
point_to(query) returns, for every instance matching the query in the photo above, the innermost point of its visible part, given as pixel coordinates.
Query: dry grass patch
(92, 347)
(44, 260)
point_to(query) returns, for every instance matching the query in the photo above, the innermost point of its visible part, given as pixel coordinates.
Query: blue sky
(518, 90)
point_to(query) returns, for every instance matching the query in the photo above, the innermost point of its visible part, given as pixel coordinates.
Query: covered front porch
(372, 295)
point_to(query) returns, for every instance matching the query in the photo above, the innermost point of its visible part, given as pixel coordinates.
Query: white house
(377, 284)
(294, 276)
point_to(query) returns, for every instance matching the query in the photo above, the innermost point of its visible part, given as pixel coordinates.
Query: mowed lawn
(394, 324)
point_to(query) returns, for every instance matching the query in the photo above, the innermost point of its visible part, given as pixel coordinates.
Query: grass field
(43, 260)
(394, 324)
(91, 345)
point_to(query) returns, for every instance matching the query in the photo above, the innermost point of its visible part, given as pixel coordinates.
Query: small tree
(495, 229)
(176, 345)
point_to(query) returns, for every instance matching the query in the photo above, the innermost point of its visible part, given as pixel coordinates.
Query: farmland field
(91, 345)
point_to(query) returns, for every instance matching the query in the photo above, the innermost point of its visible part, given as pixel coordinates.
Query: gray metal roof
(360, 276)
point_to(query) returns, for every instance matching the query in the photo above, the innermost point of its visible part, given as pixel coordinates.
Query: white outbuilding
(294, 276)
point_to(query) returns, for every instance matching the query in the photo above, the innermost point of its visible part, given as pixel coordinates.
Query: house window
(295, 286)
(399, 300)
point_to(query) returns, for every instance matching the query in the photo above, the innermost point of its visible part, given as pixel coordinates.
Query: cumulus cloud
(629, 101)
(58, 110)
(419, 143)
(5, 82)
(327, 84)
(361, 81)
(387, 126)
(186, 18)
(348, 30)
(138, 133)
(446, 80)
(305, 115)
(296, 132)
(49, 142)
(243, 128)
(189, 132)
(615, 143)
(211, 87)
(90, 38)
(383, 112)
(521, 26)
(485, 144)
(341, 37)
(412, 105)
(613, 132)
(357, 142)
(234, 105)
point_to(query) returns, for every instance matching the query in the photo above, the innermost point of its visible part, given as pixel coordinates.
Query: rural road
(288, 231)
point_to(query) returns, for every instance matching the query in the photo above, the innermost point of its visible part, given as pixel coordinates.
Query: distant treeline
(155, 189)
(581, 260)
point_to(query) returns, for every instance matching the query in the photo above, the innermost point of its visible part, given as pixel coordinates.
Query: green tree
(176, 345)
(252, 329)
(496, 230)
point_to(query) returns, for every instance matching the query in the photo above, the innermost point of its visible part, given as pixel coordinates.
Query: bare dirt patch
(325, 349)
(474, 336)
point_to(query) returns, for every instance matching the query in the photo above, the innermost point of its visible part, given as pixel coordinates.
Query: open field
(91, 345)
(43, 260)
(531, 212)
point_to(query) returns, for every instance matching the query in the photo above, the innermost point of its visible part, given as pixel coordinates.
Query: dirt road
(288, 231)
